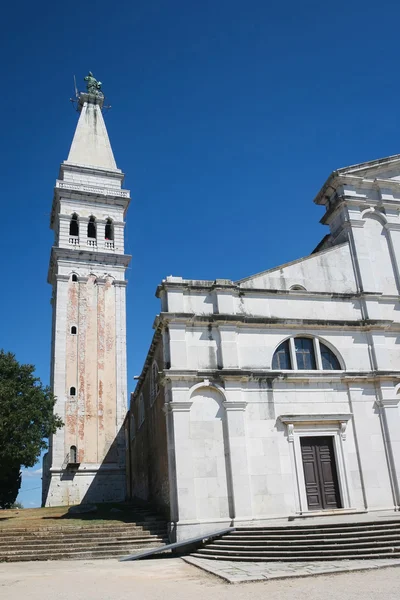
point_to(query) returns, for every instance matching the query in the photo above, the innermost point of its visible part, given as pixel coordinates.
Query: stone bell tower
(85, 462)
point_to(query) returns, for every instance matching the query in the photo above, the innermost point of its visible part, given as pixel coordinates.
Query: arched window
(73, 454)
(304, 354)
(281, 359)
(73, 330)
(298, 287)
(74, 278)
(109, 231)
(72, 391)
(74, 225)
(141, 411)
(91, 229)
(329, 360)
(154, 387)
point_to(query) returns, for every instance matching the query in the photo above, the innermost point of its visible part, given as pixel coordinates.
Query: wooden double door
(320, 473)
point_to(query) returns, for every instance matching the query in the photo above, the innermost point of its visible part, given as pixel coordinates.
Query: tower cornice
(71, 167)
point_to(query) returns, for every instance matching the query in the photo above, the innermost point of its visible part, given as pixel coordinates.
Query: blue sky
(226, 117)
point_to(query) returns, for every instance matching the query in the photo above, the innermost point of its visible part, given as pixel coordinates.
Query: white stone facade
(237, 426)
(86, 459)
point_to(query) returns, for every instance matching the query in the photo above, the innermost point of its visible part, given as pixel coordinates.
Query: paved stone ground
(172, 578)
(240, 572)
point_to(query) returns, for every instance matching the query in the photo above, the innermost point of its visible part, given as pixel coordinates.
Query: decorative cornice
(231, 406)
(90, 170)
(388, 402)
(239, 290)
(86, 255)
(184, 406)
(240, 319)
(99, 280)
(267, 375)
(316, 418)
(353, 224)
(91, 189)
(392, 226)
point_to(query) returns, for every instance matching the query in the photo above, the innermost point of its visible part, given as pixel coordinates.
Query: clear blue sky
(227, 117)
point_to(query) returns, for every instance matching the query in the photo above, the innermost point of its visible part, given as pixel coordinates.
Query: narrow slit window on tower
(73, 330)
(74, 225)
(109, 232)
(91, 229)
(74, 278)
(72, 454)
(72, 391)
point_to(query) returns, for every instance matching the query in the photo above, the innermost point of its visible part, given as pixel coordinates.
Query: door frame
(334, 426)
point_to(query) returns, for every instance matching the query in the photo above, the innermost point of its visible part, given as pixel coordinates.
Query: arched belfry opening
(91, 230)
(74, 225)
(109, 231)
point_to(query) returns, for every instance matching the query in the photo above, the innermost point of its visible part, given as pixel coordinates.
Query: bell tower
(85, 462)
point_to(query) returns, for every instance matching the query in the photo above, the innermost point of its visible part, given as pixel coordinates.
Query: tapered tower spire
(91, 145)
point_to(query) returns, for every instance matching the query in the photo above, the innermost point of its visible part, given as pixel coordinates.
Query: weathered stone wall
(149, 468)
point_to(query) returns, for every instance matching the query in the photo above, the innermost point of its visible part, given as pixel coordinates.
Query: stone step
(300, 529)
(317, 541)
(296, 554)
(145, 541)
(102, 528)
(81, 536)
(310, 558)
(70, 549)
(333, 541)
(74, 555)
(362, 546)
(311, 536)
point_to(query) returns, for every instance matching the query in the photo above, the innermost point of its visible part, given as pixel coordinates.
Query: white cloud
(34, 473)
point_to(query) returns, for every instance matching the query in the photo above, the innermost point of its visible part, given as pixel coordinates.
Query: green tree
(26, 420)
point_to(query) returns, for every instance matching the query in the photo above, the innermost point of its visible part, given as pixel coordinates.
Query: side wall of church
(147, 433)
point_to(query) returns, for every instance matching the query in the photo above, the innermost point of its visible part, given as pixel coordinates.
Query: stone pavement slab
(240, 572)
(170, 578)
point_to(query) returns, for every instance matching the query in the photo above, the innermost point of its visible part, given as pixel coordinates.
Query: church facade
(85, 461)
(278, 395)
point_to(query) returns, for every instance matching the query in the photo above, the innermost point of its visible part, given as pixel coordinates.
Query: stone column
(180, 455)
(371, 445)
(59, 367)
(240, 484)
(393, 232)
(389, 407)
(177, 345)
(120, 349)
(229, 350)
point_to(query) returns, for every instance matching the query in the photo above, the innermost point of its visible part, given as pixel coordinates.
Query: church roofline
(228, 283)
(353, 174)
(293, 262)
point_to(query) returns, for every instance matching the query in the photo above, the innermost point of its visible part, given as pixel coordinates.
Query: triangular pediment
(383, 168)
(329, 270)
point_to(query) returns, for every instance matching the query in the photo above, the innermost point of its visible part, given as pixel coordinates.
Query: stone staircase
(344, 541)
(83, 542)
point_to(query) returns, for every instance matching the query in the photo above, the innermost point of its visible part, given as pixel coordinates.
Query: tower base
(85, 485)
